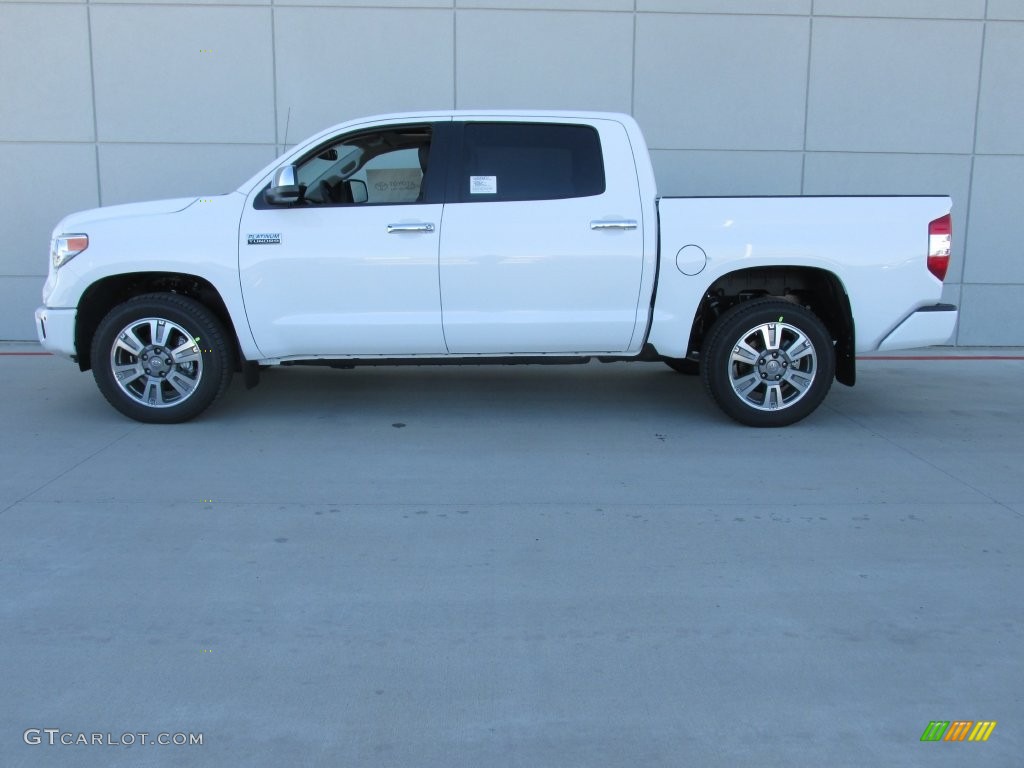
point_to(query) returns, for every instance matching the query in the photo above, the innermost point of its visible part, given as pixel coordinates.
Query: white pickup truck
(481, 237)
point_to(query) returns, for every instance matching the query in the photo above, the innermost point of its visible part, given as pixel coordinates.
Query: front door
(351, 269)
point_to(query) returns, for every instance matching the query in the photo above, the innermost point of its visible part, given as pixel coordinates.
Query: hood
(80, 221)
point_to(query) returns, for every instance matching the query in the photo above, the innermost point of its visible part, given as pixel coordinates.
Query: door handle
(418, 227)
(613, 224)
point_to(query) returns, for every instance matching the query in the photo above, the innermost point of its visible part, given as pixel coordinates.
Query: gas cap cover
(691, 260)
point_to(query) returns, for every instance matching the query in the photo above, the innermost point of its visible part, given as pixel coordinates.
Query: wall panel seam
(974, 157)
(273, 76)
(95, 113)
(992, 285)
(807, 100)
(632, 77)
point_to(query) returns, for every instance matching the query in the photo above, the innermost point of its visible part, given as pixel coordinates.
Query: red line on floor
(940, 357)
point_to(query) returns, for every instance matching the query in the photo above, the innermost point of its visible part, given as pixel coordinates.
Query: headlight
(65, 247)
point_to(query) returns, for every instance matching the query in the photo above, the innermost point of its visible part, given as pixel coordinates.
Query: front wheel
(161, 358)
(768, 362)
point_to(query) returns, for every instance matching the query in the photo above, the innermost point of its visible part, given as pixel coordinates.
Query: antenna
(287, 121)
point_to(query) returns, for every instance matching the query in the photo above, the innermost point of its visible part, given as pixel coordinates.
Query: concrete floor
(485, 567)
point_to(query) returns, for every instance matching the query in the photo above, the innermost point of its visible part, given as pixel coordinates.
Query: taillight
(940, 237)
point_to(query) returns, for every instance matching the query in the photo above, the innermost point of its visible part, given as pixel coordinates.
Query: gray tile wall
(119, 100)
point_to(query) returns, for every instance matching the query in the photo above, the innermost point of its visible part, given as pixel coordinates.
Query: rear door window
(502, 162)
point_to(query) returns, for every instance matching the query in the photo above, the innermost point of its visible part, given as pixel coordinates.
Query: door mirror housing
(284, 189)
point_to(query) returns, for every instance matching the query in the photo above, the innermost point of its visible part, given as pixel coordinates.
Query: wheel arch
(819, 290)
(106, 293)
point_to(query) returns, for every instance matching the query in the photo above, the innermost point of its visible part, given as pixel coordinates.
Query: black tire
(682, 365)
(792, 362)
(172, 357)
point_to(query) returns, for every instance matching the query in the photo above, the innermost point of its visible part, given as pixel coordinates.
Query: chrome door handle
(613, 224)
(423, 227)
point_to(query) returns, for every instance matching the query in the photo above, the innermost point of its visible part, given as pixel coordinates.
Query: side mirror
(284, 189)
(357, 189)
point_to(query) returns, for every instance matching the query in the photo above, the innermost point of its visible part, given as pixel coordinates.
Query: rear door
(542, 241)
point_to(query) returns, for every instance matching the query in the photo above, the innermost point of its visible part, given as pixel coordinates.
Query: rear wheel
(768, 362)
(161, 358)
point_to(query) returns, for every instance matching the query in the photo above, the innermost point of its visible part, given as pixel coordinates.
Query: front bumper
(56, 330)
(923, 328)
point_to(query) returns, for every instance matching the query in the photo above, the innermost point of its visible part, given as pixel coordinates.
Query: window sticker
(483, 185)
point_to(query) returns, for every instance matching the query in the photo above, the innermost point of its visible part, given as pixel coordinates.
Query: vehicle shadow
(590, 391)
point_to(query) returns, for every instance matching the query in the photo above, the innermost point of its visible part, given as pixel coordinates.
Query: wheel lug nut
(764, 375)
(775, 354)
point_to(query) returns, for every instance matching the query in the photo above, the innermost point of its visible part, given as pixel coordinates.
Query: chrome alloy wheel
(772, 366)
(156, 362)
